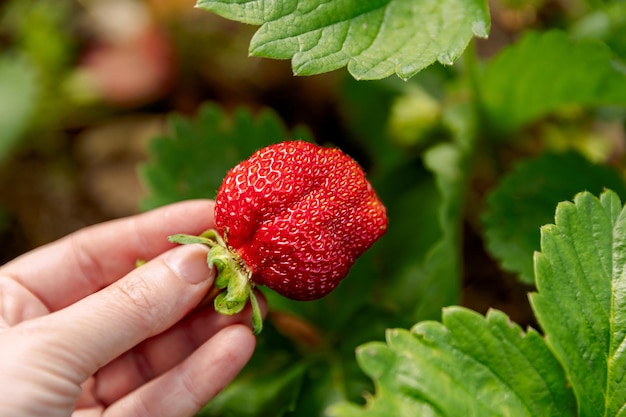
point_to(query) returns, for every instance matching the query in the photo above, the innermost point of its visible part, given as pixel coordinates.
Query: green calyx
(233, 280)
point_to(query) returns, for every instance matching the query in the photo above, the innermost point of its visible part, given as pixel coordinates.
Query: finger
(189, 386)
(162, 352)
(17, 303)
(63, 272)
(101, 327)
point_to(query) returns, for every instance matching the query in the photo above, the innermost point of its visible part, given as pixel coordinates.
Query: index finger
(65, 271)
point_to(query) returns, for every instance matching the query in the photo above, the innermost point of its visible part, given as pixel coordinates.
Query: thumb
(147, 301)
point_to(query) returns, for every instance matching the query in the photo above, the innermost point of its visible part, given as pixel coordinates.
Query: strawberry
(293, 217)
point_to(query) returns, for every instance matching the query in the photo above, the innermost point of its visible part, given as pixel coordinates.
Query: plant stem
(471, 67)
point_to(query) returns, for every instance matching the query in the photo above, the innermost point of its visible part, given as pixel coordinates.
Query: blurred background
(84, 86)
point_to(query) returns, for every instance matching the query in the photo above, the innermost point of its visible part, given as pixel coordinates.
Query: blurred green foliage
(18, 95)
(39, 35)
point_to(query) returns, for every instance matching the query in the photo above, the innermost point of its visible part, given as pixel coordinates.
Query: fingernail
(189, 262)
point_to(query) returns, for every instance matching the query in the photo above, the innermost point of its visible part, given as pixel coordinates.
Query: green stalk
(233, 285)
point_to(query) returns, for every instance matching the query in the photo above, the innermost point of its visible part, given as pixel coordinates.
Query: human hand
(85, 333)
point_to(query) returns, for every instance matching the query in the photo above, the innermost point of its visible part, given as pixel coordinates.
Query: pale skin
(84, 332)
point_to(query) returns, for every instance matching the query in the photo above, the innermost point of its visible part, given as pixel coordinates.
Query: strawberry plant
(498, 116)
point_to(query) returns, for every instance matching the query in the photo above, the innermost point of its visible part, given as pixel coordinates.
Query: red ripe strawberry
(299, 215)
(293, 217)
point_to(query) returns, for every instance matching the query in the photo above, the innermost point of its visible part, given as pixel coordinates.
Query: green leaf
(468, 365)
(580, 302)
(269, 385)
(374, 38)
(19, 91)
(472, 365)
(545, 72)
(193, 160)
(525, 200)
(259, 395)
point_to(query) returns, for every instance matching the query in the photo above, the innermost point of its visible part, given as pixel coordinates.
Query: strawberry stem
(257, 318)
(233, 285)
(183, 239)
(209, 238)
